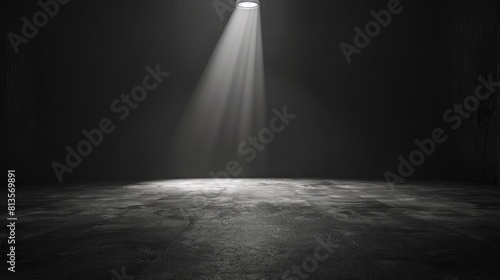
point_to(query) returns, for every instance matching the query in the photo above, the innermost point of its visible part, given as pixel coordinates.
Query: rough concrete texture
(257, 229)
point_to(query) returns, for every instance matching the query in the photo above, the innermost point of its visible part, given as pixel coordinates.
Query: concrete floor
(257, 229)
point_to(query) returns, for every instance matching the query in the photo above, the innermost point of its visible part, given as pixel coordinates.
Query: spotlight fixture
(248, 4)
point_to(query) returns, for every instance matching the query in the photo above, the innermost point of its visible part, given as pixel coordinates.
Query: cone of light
(228, 104)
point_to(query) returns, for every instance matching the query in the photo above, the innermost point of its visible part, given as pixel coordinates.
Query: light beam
(228, 104)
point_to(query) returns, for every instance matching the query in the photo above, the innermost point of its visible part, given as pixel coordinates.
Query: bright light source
(247, 4)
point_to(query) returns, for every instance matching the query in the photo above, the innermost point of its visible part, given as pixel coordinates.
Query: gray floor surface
(257, 229)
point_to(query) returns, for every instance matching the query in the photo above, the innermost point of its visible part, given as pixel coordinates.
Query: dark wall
(18, 114)
(470, 38)
(354, 120)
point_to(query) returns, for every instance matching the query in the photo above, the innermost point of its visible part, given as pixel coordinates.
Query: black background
(353, 119)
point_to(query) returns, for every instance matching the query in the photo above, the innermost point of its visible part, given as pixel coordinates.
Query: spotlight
(247, 4)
